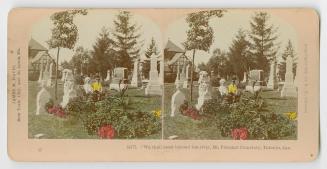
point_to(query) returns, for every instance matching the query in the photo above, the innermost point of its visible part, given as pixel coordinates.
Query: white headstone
(49, 80)
(154, 86)
(69, 89)
(223, 87)
(289, 90)
(177, 99)
(178, 81)
(87, 86)
(186, 82)
(119, 74)
(136, 79)
(204, 89)
(272, 81)
(108, 76)
(244, 78)
(41, 73)
(42, 98)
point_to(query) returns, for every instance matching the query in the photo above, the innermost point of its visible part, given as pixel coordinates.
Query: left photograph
(95, 74)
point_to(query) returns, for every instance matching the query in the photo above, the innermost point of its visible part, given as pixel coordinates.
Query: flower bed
(248, 118)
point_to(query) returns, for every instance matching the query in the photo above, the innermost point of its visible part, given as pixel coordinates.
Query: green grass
(59, 128)
(187, 128)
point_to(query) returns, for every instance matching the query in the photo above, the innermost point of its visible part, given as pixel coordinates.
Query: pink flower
(106, 132)
(240, 133)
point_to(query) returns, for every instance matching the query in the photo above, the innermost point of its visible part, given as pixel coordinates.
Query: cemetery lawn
(186, 128)
(60, 128)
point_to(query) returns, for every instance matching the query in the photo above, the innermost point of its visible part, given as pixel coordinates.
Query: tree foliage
(239, 54)
(263, 40)
(103, 55)
(78, 59)
(126, 38)
(64, 33)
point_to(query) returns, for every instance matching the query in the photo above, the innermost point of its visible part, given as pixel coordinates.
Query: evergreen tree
(289, 50)
(126, 40)
(263, 45)
(152, 49)
(239, 54)
(102, 54)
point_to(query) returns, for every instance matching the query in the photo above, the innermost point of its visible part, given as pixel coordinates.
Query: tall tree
(64, 34)
(200, 34)
(103, 55)
(152, 49)
(77, 61)
(218, 63)
(289, 51)
(263, 41)
(126, 39)
(239, 54)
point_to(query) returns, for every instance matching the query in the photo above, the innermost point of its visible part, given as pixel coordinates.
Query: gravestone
(64, 74)
(136, 79)
(87, 85)
(176, 100)
(204, 89)
(42, 98)
(119, 74)
(178, 81)
(289, 89)
(244, 78)
(41, 73)
(108, 76)
(49, 80)
(186, 81)
(223, 87)
(272, 81)
(255, 79)
(154, 86)
(69, 89)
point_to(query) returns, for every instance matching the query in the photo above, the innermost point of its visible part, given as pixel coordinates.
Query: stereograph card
(169, 85)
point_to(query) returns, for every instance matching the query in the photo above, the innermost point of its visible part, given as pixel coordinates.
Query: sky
(225, 29)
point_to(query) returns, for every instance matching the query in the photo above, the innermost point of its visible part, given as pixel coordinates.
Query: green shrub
(251, 113)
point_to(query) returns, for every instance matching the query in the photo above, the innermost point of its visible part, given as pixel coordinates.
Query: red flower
(57, 111)
(240, 133)
(243, 133)
(106, 132)
(192, 112)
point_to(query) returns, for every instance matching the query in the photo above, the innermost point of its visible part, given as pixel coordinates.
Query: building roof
(34, 45)
(171, 47)
(40, 55)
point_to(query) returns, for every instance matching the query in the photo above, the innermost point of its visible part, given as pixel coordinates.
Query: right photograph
(230, 75)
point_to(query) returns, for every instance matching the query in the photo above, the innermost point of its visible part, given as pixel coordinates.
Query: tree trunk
(192, 74)
(56, 82)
